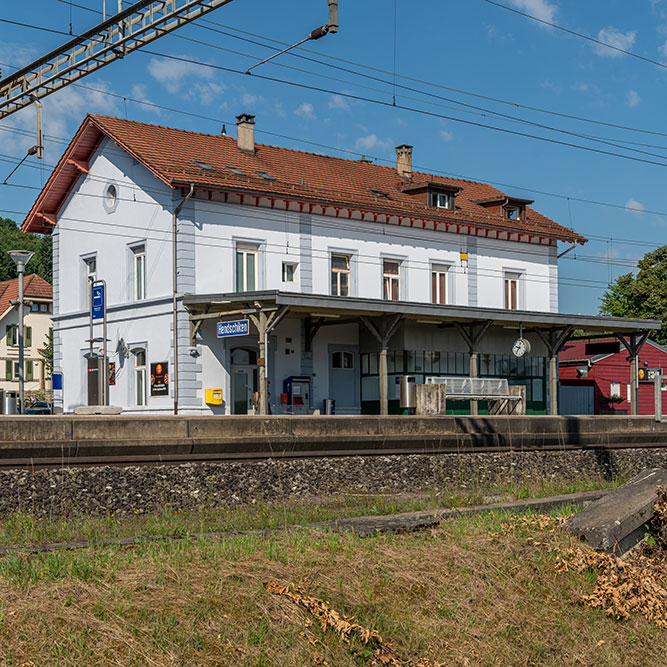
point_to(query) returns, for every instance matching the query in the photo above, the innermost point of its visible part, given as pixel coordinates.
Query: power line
(356, 153)
(576, 34)
(413, 109)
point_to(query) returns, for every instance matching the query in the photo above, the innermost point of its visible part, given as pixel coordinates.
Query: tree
(47, 353)
(643, 295)
(12, 238)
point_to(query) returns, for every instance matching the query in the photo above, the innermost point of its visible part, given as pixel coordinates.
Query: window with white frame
(391, 269)
(246, 267)
(340, 275)
(140, 377)
(512, 291)
(139, 262)
(615, 389)
(443, 200)
(289, 270)
(439, 280)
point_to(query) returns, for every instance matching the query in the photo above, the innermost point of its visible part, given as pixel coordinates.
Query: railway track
(13, 460)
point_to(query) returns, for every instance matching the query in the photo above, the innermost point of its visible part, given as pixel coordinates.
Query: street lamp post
(21, 258)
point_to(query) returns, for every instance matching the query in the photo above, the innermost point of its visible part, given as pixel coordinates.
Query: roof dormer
(510, 208)
(432, 193)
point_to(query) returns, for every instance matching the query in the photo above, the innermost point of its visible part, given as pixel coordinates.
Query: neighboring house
(350, 274)
(593, 371)
(37, 322)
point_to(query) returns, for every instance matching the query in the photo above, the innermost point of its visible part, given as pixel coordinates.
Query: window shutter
(28, 336)
(28, 370)
(9, 369)
(10, 334)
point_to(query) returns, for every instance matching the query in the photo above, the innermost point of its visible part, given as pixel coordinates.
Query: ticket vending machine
(295, 399)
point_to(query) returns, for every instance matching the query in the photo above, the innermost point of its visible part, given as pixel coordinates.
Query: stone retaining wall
(125, 491)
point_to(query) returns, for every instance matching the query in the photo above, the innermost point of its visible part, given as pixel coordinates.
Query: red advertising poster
(112, 373)
(160, 379)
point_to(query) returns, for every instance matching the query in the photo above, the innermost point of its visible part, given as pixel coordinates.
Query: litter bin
(329, 407)
(10, 403)
(408, 392)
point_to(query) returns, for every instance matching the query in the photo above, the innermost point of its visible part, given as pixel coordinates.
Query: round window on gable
(110, 198)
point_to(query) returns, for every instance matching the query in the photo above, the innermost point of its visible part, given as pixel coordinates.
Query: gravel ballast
(130, 490)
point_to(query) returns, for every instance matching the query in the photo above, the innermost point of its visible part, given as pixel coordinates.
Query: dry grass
(467, 593)
(24, 528)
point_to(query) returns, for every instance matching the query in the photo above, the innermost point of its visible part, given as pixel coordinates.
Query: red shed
(592, 371)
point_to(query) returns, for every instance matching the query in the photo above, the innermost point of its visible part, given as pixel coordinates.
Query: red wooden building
(591, 372)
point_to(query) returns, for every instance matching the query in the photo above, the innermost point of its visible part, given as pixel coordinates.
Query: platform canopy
(266, 308)
(314, 305)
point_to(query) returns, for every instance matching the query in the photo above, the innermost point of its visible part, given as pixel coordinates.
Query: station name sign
(234, 328)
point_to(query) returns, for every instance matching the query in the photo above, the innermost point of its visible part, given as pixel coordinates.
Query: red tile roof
(34, 287)
(170, 154)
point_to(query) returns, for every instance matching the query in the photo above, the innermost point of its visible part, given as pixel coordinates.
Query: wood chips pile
(634, 584)
(380, 652)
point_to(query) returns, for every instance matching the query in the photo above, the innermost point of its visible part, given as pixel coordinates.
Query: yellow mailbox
(214, 396)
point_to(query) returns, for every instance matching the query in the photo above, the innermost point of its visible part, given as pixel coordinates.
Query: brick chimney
(245, 133)
(404, 161)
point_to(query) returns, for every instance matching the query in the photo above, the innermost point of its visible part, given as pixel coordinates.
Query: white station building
(294, 278)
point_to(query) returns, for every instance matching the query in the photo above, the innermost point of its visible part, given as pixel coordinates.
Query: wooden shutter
(28, 336)
(28, 370)
(10, 334)
(9, 368)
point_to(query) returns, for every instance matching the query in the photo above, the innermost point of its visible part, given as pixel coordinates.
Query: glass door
(244, 382)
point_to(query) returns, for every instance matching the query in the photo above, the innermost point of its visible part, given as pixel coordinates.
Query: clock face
(521, 347)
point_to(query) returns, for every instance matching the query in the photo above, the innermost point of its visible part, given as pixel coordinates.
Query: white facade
(105, 235)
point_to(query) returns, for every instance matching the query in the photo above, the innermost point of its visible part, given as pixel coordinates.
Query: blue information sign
(98, 301)
(57, 380)
(235, 328)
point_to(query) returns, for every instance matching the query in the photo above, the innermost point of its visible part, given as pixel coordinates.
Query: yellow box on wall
(214, 396)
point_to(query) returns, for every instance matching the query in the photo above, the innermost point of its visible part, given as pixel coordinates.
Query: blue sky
(469, 45)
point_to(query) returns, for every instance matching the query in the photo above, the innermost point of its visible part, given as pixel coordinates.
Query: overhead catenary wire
(206, 24)
(599, 42)
(330, 224)
(417, 110)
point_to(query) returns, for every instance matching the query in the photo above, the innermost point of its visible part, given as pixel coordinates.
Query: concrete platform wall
(83, 436)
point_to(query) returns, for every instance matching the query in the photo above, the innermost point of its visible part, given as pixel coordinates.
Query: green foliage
(643, 295)
(12, 238)
(46, 353)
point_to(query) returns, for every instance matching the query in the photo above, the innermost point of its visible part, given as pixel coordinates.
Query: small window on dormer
(513, 213)
(443, 200)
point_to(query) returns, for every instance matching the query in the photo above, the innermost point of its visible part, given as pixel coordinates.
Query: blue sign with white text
(98, 301)
(235, 328)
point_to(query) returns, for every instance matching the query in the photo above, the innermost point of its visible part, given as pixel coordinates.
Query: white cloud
(306, 111)
(634, 207)
(62, 111)
(541, 9)
(249, 100)
(632, 98)
(371, 142)
(138, 91)
(172, 74)
(446, 136)
(207, 92)
(617, 38)
(338, 102)
(662, 50)
(581, 87)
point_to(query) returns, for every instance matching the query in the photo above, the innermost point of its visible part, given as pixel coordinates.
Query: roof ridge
(292, 150)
